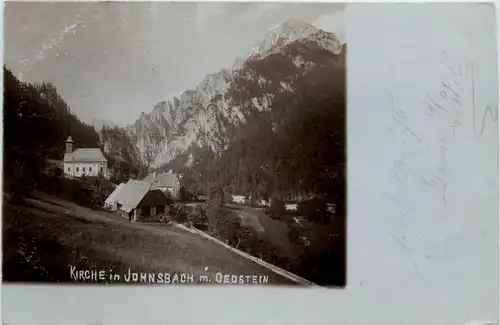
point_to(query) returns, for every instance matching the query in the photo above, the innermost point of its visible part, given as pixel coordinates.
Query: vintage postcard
(250, 163)
(148, 143)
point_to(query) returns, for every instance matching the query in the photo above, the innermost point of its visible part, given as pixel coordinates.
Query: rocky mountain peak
(208, 114)
(285, 33)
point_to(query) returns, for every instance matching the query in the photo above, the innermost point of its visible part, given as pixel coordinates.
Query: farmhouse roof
(112, 197)
(162, 180)
(149, 178)
(169, 180)
(85, 155)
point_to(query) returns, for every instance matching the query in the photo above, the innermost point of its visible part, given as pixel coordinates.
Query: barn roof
(85, 155)
(111, 198)
(132, 194)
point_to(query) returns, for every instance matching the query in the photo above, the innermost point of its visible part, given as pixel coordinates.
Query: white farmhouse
(238, 199)
(84, 161)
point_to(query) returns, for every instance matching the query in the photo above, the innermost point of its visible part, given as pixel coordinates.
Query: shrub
(165, 218)
(21, 172)
(54, 153)
(201, 210)
(178, 213)
(58, 172)
(277, 209)
(72, 190)
(294, 236)
(315, 210)
(223, 223)
(199, 218)
(325, 265)
(183, 194)
(246, 239)
(268, 252)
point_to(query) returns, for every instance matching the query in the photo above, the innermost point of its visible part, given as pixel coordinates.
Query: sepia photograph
(175, 143)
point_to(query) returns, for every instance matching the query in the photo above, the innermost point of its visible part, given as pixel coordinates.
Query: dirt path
(250, 220)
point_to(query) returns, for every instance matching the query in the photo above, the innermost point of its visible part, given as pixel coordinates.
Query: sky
(113, 61)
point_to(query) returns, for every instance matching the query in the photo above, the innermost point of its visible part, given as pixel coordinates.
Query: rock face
(208, 116)
(291, 31)
(117, 144)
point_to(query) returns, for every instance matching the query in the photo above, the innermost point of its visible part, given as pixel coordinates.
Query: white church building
(84, 161)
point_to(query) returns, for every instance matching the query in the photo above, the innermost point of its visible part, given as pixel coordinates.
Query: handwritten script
(426, 133)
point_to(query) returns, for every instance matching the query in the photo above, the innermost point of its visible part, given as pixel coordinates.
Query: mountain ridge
(99, 123)
(204, 115)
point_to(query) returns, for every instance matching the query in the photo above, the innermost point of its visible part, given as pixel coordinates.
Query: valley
(272, 128)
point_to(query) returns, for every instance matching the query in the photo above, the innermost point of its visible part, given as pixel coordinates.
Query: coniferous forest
(37, 122)
(294, 152)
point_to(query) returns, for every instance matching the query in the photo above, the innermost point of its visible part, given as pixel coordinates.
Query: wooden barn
(138, 201)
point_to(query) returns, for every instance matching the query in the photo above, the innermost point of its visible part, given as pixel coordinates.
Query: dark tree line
(36, 117)
(296, 150)
(37, 122)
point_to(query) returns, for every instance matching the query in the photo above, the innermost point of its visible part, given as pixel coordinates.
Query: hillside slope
(90, 240)
(37, 122)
